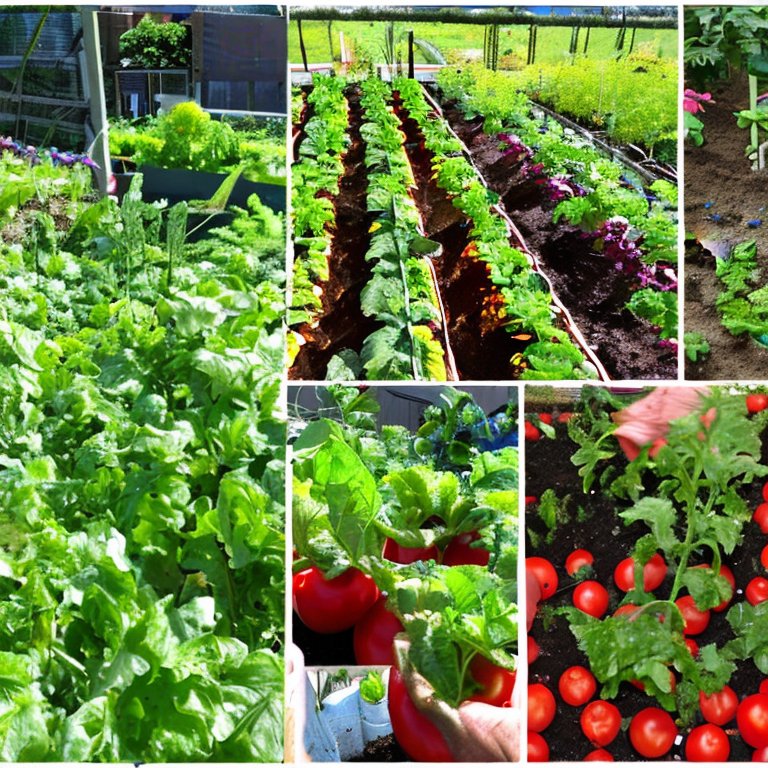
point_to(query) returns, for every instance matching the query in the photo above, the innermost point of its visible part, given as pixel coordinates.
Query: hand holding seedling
(475, 732)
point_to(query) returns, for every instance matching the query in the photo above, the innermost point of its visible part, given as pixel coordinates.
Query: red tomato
(654, 572)
(577, 560)
(764, 557)
(541, 707)
(601, 755)
(591, 597)
(577, 685)
(531, 432)
(764, 686)
(757, 590)
(533, 649)
(374, 633)
(497, 683)
(757, 402)
(459, 551)
(600, 722)
(652, 732)
(752, 719)
(531, 499)
(693, 646)
(406, 555)
(532, 598)
(696, 621)
(565, 417)
(332, 605)
(656, 446)
(415, 733)
(707, 744)
(761, 517)
(544, 572)
(545, 418)
(719, 708)
(538, 749)
(628, 609)
(765, 492)
(760, 755)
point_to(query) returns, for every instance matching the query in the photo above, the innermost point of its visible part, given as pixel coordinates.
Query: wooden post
(533, 49)
(753, 133)
(303, 48)
(410, 54)
(586, 40)
(632, 39)
(530, 44)
(98, 105)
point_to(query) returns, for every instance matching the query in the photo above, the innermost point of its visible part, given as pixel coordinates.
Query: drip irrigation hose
(569, 322)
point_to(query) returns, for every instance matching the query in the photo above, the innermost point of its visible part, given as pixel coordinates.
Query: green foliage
(658, 307)
(157, 45)
(142, 546)
(372, 688)
(743, 305)
(696, 345)
(696, 511)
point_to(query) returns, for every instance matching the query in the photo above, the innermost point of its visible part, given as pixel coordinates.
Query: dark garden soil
(722, 193)
(385, 749)
(482, 349)
(342, 324)
(599, 529)
(593, 292)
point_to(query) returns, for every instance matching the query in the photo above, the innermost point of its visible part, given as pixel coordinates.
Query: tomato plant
(654, 572)
(600, 722)
(752, 720)
(578, 559)
(419, 737)
(374, 633)
(332, 605)
(544, 573)
(707, 744)
(591, 597)
(541, 707)
(652, 732)
(577, 685)
(719, 708)
(497, 683)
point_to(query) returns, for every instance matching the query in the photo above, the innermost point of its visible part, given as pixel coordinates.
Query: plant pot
(341, 713)
(375, 719)
(177, 184)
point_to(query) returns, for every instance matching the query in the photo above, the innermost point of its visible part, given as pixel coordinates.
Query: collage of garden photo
(383, 383)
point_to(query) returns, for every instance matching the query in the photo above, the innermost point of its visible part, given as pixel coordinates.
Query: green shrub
(153, 45)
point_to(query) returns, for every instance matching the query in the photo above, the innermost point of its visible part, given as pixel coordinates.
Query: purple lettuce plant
(36, 156)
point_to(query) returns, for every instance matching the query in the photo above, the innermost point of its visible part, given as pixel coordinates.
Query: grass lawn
(459, 42)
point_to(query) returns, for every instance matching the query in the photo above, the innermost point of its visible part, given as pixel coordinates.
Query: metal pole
(98, 104)
(303, 49)
(410, 54)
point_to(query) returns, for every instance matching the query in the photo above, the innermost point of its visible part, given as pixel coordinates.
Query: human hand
(475, 732)
(647, 420)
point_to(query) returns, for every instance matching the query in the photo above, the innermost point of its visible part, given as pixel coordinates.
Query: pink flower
(692, 101)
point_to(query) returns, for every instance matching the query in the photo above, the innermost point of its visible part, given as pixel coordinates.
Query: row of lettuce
(635, 229)
(141, 476)
(402, 292)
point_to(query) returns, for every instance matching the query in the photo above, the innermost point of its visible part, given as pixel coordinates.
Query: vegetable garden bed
(142, 475)
(447, 289)
(638, 508)
(609, 253)
(719, 201)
